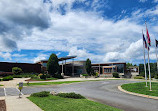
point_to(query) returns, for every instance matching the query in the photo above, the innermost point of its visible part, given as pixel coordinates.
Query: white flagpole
(144, 61)
(148, 61)
(156, 53)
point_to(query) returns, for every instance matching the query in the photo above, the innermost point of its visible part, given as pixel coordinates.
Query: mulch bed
(2, 105)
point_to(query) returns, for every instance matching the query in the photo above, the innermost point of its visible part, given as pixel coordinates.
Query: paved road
(105, 92)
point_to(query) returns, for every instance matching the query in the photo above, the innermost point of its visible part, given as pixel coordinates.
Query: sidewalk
(14, 103)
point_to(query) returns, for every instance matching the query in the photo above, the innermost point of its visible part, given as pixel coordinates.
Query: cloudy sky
(102, 30)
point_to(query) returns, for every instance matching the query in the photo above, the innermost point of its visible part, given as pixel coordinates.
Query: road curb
(136, 94)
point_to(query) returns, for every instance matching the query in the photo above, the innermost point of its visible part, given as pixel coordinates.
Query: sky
(101, 30)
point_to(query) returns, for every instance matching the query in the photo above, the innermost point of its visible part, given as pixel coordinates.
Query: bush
(48, 76)
(71, 95)
(58, 76)
(85, 75)
(156, 77)
(7, 78)
(43, 76)
(41, 94)
(115, 74)
(34, 77)
(139, 77)
(16, 70)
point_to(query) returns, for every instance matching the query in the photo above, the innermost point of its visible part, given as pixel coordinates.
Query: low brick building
(26, 67)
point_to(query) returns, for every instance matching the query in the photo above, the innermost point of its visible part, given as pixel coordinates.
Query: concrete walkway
(14, 103)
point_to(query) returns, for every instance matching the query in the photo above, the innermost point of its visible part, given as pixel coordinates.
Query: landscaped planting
(141, 89)
(139, 77)
(41, 94)
(56, 103)
(7, 78)
(71, 95)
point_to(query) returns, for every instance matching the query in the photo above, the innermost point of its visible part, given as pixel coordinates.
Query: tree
(128, 65)
(53, 65)
(88, 66)
(16, 70)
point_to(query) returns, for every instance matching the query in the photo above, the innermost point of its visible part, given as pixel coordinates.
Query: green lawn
(56, 103)
(51, 83)
(38, 79)
(141, 89)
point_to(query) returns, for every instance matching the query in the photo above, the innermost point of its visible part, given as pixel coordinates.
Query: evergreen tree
(53, 65)
(88, 66)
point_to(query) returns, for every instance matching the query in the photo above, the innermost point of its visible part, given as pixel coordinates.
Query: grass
(141, 89)
(56, 103)
(51, 83)
(38, 79)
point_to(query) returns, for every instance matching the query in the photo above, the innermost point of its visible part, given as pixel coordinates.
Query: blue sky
(102, 30)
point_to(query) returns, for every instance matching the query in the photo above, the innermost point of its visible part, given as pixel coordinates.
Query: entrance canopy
(66, 58)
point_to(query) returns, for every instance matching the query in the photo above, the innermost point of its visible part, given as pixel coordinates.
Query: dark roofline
(109, 63)
(18, 63)
(60, 59)
(67, 57)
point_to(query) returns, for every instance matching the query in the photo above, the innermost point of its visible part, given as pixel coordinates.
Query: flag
(148, 37)
(156, 42)
(144, 41)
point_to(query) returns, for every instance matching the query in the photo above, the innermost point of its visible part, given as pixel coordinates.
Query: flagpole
(144, 62)
(156, 52)
(148, 61)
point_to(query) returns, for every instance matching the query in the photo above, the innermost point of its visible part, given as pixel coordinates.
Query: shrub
(156, 77)
(71, 95)
(115, 74)
(7, 78)
(96, 74)
(48, 76)
(16, 70)
(139, 77)
(17, 76)
(34, 77)
(85, 75)
(43, 76)
(58, 76)
(41, 94)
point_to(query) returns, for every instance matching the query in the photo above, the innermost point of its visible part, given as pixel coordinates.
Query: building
(106, 69)
(26, 67)
(75, 68)
(68, 68)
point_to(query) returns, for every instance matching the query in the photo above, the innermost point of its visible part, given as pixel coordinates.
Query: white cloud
(6, 55)
(142, 1)
(85, 34)
(155, 1)
(40, 57)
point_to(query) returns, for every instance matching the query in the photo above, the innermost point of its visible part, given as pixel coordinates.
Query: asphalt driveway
(105, 92)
